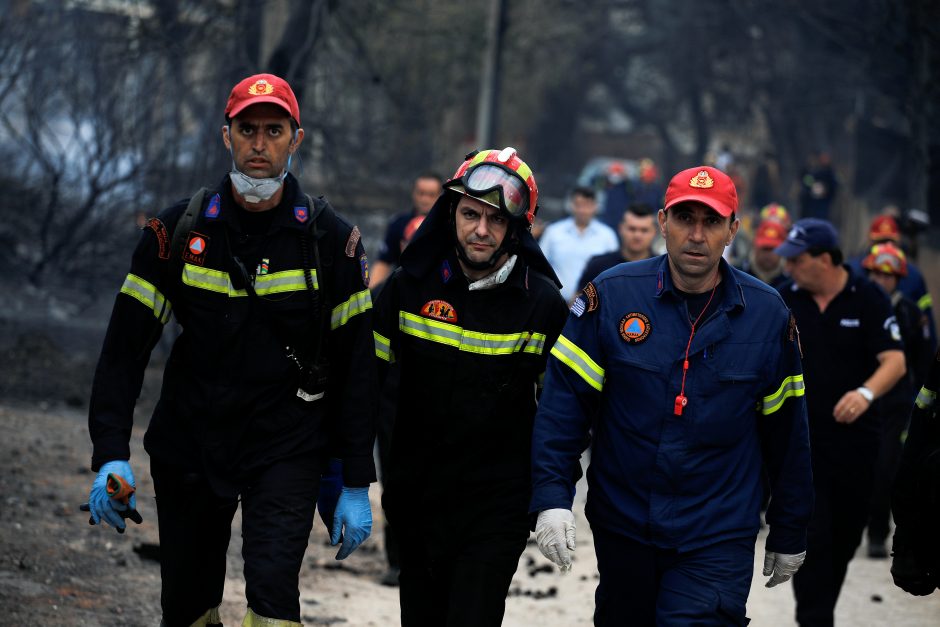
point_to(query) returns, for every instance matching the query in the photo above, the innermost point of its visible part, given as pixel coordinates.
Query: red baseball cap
(770, 234)
(884, 228)
(704, 184)
(262, 88)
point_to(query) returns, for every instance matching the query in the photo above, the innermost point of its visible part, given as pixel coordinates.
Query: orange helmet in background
(886, 258)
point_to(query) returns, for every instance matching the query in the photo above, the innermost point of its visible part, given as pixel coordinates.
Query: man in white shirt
(569, 243)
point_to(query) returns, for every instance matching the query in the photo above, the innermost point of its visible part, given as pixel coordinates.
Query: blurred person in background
(426, 190)
(687, 373)
(886, 264)
(761, 261)
(852, 355)
(469, 317)
(570, 242)
(261, 407)
(884, 228)
(915, 500)
(818, 186)
(637, 229)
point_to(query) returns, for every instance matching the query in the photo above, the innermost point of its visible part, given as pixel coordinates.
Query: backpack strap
(183, 226)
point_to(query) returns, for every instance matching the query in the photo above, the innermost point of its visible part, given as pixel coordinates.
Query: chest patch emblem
(195, 251)
(635, 328)
(439, 310)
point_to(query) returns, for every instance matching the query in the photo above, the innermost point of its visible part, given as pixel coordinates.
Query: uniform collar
(733, 295)
(291, 213)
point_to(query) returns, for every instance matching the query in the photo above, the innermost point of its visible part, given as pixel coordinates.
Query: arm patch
(793, 333)
(352, 242)
(586, 302)
(163, 237)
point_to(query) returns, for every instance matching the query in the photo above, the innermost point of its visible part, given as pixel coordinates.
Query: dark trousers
(195, 527)
(463, 586)
(642, 585)
(889, 460)
(843, 473)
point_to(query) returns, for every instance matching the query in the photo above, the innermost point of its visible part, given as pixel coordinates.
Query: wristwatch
(866, 392)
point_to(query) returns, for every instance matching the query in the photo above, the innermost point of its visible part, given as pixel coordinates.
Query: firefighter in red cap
(687, 373)
(263, 389)
(469, 318)
(886, 265)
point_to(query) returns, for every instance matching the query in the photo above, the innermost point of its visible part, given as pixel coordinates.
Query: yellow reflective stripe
(148, 295)
(210, 280)
(356, 304)
(284, 281)
(791, 386)
(925, 302)
(470, 341)
(383, 348)
(925, 398)
(571, 355)
(254, 620)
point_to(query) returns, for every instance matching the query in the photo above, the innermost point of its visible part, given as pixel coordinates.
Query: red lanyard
(681, 399)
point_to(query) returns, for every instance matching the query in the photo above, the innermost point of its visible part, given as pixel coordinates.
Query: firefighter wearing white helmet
(469, 316)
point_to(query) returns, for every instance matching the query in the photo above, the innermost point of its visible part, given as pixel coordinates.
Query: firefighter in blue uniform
(687, 372)
(469, 317)
(263, 386)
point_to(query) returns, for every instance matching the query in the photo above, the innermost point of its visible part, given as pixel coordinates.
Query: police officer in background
(264, 385)
(851, 355)
(469, 318)
(688, 373)
(915, 501)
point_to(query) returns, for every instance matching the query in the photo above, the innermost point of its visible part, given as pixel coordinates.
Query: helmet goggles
(496, 185)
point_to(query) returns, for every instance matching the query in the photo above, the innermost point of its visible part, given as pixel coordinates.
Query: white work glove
(554, 532)
(781, 566)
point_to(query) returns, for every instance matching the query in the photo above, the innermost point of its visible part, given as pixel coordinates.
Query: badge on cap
(702, 180)
(439, 310)
(196, 246)
(635, 327)
(261, 88)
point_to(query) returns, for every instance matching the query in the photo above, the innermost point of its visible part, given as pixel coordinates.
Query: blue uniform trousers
(195, 527)
(643, 585)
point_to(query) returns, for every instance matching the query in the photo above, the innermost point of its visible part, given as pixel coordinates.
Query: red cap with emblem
(262, 88)
(703, 184)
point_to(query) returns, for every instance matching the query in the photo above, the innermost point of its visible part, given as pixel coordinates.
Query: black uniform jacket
(471, 364)
(229, 399)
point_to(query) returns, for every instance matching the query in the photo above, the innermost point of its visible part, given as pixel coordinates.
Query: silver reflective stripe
(356, 304)
(210, 280)
(284, 281)
(383, 348)
(925, 398)
(791, 386)
(470, 341)
(148, 295)
(575, 358)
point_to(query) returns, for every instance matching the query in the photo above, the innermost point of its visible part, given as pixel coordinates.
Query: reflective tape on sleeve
(572, 356)
(148, 295)
(791, 386)
(925, 302)
(356, 304)
(925, 398)
(383, 348)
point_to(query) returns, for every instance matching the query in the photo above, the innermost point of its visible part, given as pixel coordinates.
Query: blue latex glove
(112, 511)
(331, 485)
(352, 521)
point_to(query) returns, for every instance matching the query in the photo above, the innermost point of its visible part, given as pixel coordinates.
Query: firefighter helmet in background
(886, 258)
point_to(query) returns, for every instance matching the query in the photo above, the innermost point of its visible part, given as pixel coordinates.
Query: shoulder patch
(213, 208)
(352, 242)
(163, 237)
(590, 295)
(364, 268)
(793, 333)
